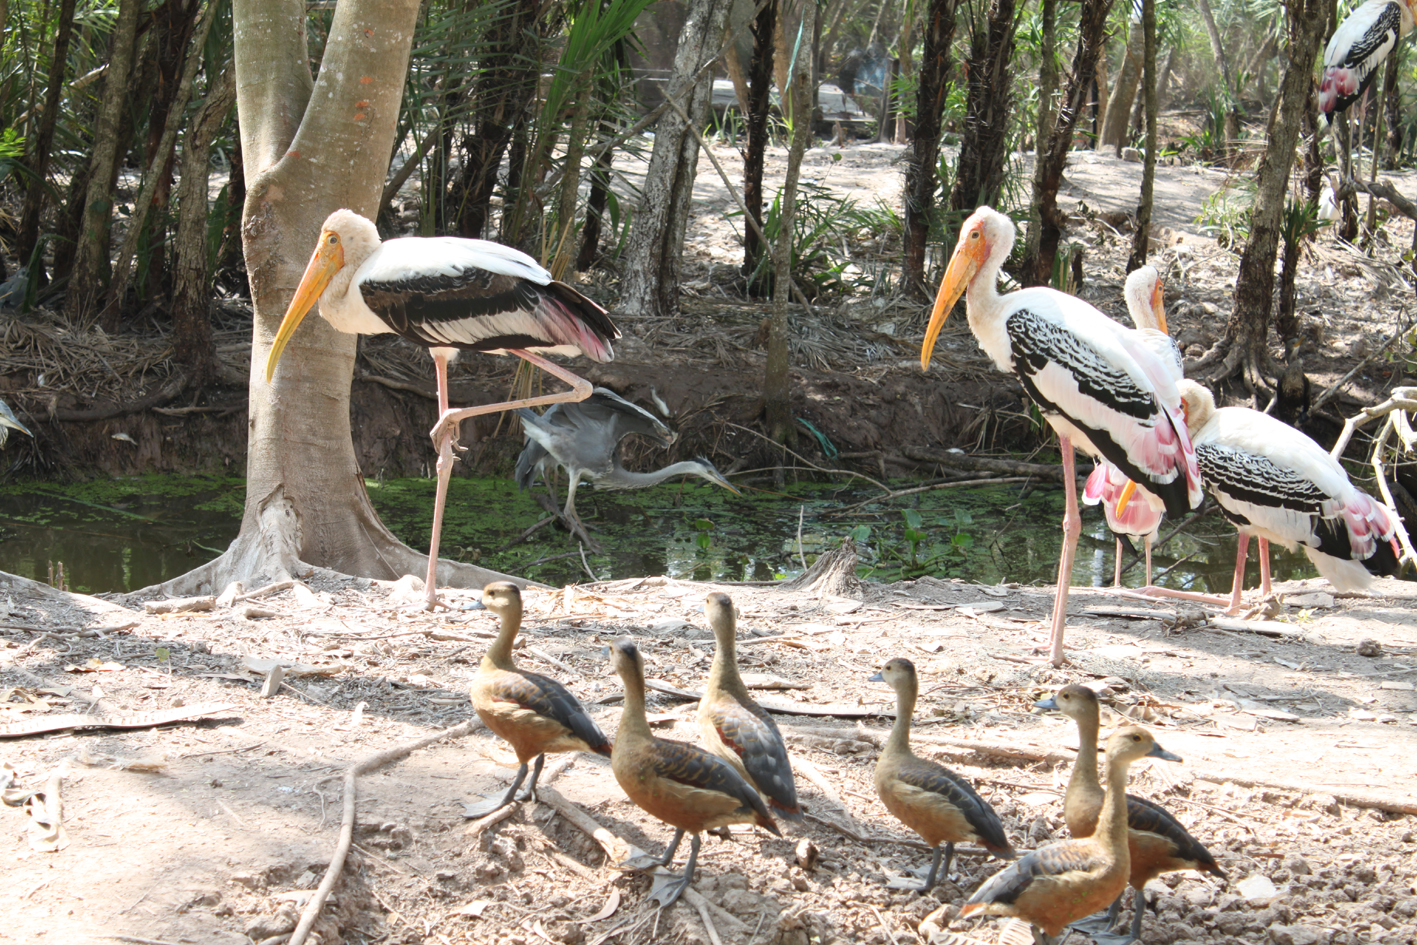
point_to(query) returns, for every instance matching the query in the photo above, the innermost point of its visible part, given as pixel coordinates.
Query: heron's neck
(635, 480)
(499, 654)
(899, 740)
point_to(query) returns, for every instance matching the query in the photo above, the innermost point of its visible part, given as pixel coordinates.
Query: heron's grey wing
(604, 410)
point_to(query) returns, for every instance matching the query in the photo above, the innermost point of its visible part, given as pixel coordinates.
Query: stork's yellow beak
(328, 260)
(1158, 304)
(1126, 496)
(969, 255)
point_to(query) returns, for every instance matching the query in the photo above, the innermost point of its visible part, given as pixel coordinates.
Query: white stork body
(1275, 483)
(1141, 517)
(447, 295)
(1098, 384)
(1356, 49)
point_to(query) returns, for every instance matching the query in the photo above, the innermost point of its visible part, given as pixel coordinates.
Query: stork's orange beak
(328, 260)
(1158, 304)
(1126, 496)
(969, 255)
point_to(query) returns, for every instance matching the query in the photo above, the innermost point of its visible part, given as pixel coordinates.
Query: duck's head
(1074, 701)
(626, 660)
(1134, 742)
(503, 598)
(896, 673)
(718, 607)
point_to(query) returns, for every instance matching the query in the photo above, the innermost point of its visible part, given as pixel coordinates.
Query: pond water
(121, 535)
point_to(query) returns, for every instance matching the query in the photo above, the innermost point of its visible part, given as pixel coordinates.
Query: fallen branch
(1359, 799)
(1009, 467)
(612, 846)
(346, 835)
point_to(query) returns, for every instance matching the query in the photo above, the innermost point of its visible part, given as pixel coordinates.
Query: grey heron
(583, 438)
(8, 422)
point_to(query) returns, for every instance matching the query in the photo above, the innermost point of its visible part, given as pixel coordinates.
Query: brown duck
(1060, 883)
(1156, 841)
(681, 784)
(737, 729)
(533, 713)
(927, 797)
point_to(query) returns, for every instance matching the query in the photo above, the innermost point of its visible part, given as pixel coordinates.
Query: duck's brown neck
(723, 674)
(632, 720)
(499, 654)
(905, 694)
(1112, 824)
(1084, 776)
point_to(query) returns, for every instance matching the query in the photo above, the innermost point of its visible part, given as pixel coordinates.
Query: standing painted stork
(447, 295)
(1139, 518)
(1275, 483)
(1099, 385)
(1357, 48)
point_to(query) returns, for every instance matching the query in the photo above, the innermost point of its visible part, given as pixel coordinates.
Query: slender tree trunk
(37, 157)
(777, 407)
(1246, 332)
(760, 69)
(651, 284)
(988, 103)
(921, 173)
(191, 290)
(1392, 99)
(1038, 266)
(1141, 242)
(1222, 59)
(91, 263)
(1124, 91)
(596, 203)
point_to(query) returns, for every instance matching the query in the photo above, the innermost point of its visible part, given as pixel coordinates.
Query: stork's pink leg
(1147, 539)
(444, 434)
(1072, 527)
(1237, 585)
(1264, 567)
(1117, 570)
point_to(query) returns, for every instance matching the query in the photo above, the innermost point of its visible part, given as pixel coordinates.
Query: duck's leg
(530, 792)
(668, 893)
(949, 858)
(1138, 910)
(668, 857)
(444, 434)
(1072, 527)
(487, 807)
(931, 872)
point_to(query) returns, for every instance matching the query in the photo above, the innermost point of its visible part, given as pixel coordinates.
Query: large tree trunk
(651, 284)
(192, 284)
(1124, 91)
(1246, 333)
(980, 178)
(1142, 240)
(310, 147)
(921, 173)
(777, 407)
(89, 277)
(759, 104)
(1048, 173)
(37, 157)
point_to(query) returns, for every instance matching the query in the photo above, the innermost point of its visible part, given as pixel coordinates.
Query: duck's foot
(667, 887)
(488, 805)
(1099, 923)
(639, 860)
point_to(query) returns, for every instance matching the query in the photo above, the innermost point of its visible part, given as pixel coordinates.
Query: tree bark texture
(1124, 91)
(192, 284)
(37, 157)
(760, 68)
(1142, 240)
(1248, 327)
(1092, 26)
(596, 203)
(651, 283)
(89, 277)
(1222, 59)
(921, 173)
(988, 101)
(505, 85)
(1392, 101)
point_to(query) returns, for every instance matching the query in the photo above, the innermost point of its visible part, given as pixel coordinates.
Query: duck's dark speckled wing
(693, 767)
(547, 697)
(755, 738)
(1153, 818)
(1055, 859)
(937, 779)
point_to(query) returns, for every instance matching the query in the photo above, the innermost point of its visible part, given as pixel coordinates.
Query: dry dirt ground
(1300, 748)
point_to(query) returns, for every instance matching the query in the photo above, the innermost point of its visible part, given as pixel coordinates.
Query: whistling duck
(1060, 883)
(681, 784)
(1156, 842)
(737, 729)
(533, 713)
(927, 797)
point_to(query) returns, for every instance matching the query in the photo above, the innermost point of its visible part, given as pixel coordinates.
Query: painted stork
(447, 295)
(1099, 385)
(1108, 484)
(1275, 483)
(1357, 48)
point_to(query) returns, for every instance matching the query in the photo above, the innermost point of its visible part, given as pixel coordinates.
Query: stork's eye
(333, 240)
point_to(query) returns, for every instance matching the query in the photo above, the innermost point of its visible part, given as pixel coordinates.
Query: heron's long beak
(1158, 305)
(328, 260)
(727, 485)
(968, 257)
(1127, 491)
(8, 419)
